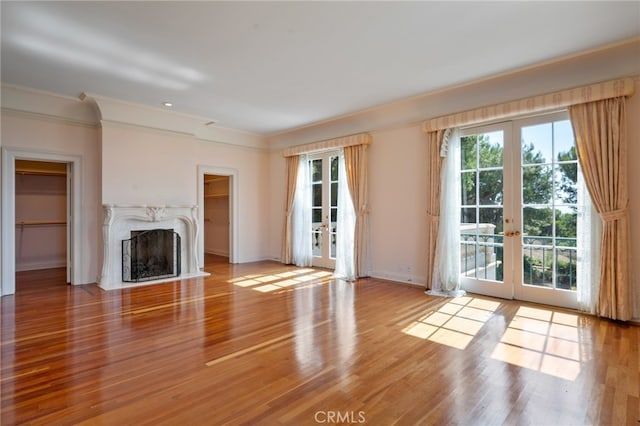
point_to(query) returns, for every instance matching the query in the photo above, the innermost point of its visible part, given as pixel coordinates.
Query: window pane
(490, 190)
(334, 215)
(566, 180)
(537, 144)
(538, 266)
(334, 194)
(468, 152)
(491, 150)
(538, 225)
(316, 215)
(332, 235)
(468, 190)
(334, 169)
(316, 170)
(316, 241)
(490, 221)
(468, 215)
(317, 194)
(564, 144)
(566, 263)
(537, 184)
(468, 258)
(566, 227)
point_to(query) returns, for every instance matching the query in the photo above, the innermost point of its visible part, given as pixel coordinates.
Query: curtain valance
(541, 103)
(359, 139)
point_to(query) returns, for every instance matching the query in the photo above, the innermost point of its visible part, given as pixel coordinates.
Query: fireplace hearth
(150, 255)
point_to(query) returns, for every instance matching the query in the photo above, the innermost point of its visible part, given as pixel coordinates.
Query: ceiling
(270, 67)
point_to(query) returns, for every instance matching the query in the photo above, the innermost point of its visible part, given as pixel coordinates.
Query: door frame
(325, 260)
(8, 219)
(514, 287)
(522, 291)
(504, 288)
(232, 174)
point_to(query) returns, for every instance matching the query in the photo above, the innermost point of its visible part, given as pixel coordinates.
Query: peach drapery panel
(359, 139)
(355, 159)
(292, 176)
(601, 143)
(434, 164)
(532, 105)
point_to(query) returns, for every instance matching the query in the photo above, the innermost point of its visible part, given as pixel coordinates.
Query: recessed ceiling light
(167, 104)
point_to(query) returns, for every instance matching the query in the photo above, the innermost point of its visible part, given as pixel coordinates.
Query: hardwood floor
(264, 343)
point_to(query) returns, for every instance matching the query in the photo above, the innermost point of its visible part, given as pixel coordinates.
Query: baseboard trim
(389, 276)
(217, 252)
(35, 266)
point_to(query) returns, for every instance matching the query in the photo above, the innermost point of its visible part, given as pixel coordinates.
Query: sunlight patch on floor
(283, 281)
(455, 323)
(543, 340)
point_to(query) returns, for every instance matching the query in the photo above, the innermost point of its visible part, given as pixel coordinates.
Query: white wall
(277, 176)
(147, 166)
(398, 204)
(37, 133)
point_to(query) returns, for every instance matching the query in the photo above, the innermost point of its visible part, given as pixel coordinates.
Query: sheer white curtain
(301, 217)
(346, 223)
(589, 236)
(446, 273)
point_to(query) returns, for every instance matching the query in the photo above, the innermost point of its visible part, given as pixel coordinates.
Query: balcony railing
(481, 256)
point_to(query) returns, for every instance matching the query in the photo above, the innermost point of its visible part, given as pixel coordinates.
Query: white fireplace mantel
(120, 220)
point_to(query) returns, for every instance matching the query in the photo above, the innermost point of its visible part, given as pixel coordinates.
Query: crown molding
(46, 105)
(118, 111)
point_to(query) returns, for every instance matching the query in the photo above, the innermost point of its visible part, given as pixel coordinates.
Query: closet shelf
(40, 223)
(40, 173)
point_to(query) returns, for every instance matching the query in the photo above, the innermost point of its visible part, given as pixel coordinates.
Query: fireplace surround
(121, 220)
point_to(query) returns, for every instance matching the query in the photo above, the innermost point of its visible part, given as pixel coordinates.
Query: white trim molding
(8, 218)
(233, 175)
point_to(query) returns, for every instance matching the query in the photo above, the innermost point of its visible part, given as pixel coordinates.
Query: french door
(324, 208)
(519, 210)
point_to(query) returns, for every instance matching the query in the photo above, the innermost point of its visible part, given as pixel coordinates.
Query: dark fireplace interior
(151, 255)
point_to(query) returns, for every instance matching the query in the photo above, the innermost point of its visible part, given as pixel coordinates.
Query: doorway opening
(73, 182)
(41, 205)
(324, 208)
(522, 225)
(217, 215)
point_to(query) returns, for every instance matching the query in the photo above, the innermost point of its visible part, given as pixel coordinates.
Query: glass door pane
(482, 246)
(316, 206)
(549, 211)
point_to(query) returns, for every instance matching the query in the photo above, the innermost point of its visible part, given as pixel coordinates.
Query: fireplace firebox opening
(150, 255)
